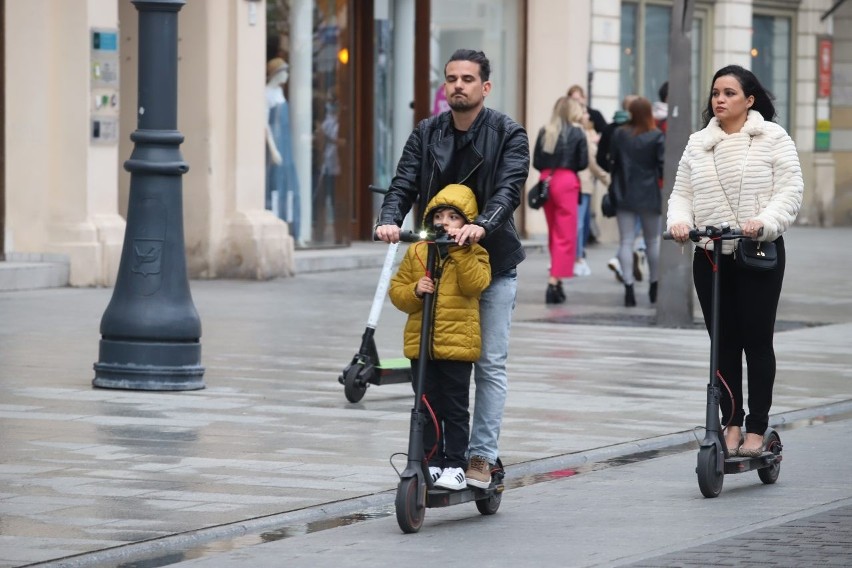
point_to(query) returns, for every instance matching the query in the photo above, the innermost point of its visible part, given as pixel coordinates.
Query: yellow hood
(459, 197)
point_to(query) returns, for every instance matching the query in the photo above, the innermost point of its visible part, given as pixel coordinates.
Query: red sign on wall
(824, 69)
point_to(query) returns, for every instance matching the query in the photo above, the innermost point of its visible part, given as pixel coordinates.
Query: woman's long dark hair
(641, 116)
(751, 87)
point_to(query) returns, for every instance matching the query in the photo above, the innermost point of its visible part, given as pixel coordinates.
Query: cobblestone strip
(823, 539)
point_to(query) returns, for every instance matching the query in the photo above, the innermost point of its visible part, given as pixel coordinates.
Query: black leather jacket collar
(495, 166)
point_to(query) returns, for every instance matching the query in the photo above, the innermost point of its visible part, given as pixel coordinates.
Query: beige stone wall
(841, 115)
(60, 188)
(65, 194)
(550, 71)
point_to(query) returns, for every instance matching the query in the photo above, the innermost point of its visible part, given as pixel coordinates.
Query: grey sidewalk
(85, 469)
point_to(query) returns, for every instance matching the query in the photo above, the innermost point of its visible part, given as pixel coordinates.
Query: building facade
(291, 109)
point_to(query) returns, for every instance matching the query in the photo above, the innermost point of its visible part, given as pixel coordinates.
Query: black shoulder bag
(749, 254)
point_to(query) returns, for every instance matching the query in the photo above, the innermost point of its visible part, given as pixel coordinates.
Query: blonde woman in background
(589, 177)
(560, 152)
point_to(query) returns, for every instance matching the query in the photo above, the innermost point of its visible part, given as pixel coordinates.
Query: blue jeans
(584, 221)
(495, 315)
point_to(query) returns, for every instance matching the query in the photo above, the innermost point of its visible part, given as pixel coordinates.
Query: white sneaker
(452, 478)
(434, 473)
(615, 266)
(581, 268)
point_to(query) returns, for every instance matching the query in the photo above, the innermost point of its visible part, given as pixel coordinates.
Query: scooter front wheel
(409, 513)
(769, 475)
(353, 391)
(709, 477)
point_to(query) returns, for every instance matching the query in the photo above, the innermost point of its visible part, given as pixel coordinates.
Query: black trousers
(447, 389)
(749, 303)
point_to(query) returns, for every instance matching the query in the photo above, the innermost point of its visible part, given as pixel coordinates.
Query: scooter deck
(392, 371)
(739, 464)
(438, 497)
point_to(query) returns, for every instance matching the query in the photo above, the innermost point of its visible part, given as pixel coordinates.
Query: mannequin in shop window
(329, 201)
(282, 184)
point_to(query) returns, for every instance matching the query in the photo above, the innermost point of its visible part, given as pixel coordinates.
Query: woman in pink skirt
(560, 152)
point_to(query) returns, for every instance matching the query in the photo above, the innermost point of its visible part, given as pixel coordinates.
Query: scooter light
(423, 234)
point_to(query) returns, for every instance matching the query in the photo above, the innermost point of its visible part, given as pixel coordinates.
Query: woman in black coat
(637, 153)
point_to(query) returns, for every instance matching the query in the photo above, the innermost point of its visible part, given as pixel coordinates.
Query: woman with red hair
(636, 152)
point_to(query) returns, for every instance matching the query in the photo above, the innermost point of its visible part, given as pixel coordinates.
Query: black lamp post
(150, 330)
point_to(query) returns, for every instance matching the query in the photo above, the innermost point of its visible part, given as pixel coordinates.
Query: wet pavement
(272, 443)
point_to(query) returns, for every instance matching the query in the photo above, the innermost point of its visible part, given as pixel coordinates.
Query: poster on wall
(823, 100)
(104, 84)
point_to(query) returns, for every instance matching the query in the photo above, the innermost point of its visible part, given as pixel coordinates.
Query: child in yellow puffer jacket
(455, 345)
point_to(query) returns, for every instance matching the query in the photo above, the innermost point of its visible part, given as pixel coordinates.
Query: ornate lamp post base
(150, 330)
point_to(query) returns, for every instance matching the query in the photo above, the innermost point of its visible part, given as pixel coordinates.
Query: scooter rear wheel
(709, 478)
(769, 475)
(490, 505)
(409, 515)
(353, 391)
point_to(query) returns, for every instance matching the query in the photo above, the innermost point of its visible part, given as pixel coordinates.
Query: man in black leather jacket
(488, 152)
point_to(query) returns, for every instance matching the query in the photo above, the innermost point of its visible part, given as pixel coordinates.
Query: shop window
(771, 60)
(644, 64)
(493, 26)
(310, 119)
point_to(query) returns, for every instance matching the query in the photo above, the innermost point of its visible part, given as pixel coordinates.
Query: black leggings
(749, 302)
(447, 388)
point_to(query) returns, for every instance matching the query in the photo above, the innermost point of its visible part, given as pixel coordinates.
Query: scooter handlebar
(724, 232)
(417, 236)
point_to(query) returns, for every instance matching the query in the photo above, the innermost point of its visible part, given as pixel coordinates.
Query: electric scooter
(714, 460)
(416, 491)
(365, 368)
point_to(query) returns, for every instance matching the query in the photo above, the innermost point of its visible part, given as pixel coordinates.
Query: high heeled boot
(629, 296)
(552, 295)
(652, 293)
(560, 292)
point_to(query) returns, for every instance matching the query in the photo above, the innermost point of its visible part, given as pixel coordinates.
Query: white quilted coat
(758, 170)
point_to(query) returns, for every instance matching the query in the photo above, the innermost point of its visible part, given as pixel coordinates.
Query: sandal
(752, 452)
(734, 452)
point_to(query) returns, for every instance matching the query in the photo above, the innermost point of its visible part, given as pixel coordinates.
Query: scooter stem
(415, 437)
(713, 424)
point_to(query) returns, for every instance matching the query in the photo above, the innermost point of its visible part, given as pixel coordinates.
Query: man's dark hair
(751, 87)
(475, 57)
(664, 92)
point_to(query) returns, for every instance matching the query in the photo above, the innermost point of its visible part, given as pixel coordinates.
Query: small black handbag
(539, 193)
(756, 255)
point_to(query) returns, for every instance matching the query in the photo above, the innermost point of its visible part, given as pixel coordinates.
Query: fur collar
(754, 125)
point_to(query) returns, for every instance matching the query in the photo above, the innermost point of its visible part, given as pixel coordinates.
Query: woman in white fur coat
(742, 169)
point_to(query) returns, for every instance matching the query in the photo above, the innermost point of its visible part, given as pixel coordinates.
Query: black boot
(560, 291)
(629, 296)
(552, 295)
(652, 293)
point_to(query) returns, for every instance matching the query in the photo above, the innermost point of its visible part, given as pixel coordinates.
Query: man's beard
(460, 104)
